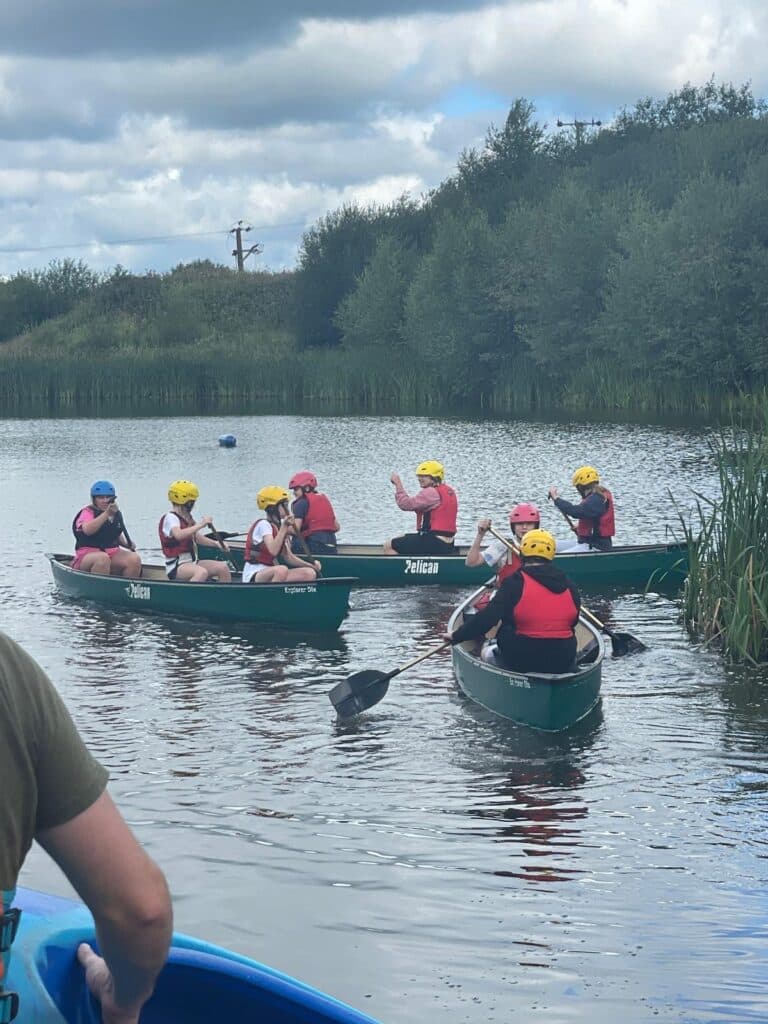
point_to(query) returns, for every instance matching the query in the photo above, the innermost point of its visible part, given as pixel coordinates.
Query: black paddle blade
(625, 643)
(359, 692)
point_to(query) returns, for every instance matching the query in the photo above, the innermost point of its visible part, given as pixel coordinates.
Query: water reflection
(531, 792)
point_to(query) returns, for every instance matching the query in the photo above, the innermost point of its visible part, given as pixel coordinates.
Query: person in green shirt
(52, 790)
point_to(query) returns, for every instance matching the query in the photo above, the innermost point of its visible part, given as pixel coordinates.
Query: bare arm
(128, 897)
(473, 555)
(91, 526)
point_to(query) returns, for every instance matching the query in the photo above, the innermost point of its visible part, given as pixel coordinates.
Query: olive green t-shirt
(47, 775)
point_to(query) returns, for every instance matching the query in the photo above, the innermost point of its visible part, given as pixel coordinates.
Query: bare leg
(126, 563)
(272, 574)
(301, 575)
(97, 562)
(216, 570)
(191, 572)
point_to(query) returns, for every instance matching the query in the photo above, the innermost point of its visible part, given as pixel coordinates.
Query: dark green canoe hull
(548, 703)
(660, 566)
(309, 607)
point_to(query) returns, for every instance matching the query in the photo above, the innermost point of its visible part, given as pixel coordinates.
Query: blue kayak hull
(199, 984)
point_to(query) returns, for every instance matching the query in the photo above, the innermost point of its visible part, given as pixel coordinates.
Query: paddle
(217, 536)
(621, 643)
(312, 561)
(121, 524)
(564, 515)
(362, 690)
(220, 535)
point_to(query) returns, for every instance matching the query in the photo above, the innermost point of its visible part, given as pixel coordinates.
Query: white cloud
(282, 128)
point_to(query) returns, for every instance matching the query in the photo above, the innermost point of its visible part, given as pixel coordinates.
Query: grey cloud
(86, 99)
(81, 27)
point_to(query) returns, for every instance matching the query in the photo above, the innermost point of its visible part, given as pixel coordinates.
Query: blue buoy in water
(227, 441)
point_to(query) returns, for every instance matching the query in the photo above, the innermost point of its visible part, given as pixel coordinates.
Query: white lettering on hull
(421, 567)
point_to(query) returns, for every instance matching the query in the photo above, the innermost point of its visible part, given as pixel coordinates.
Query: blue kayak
(199, 984)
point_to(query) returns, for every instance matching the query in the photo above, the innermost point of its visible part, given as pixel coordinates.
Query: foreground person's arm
(127, 894)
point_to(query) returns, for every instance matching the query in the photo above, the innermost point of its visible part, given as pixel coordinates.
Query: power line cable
(151, 240)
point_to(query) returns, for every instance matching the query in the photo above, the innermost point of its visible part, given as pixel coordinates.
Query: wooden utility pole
(240, 255)
(579, 127)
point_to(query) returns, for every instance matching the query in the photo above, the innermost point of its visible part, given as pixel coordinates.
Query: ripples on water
(426, 859)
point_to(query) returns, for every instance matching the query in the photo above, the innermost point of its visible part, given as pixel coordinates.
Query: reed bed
(116, 367)
(726, 595)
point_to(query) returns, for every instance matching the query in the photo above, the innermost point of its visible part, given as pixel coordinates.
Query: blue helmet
(102, 489)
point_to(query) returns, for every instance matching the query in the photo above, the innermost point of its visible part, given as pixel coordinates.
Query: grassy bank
(726, 595)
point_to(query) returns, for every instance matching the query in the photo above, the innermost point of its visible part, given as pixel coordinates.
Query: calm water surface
(428, 862)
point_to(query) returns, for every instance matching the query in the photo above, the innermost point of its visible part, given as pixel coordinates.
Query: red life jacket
(604, 526)
(542, 614)
(259, 555)
(443, 518)
(513, 564)
(174, 548)
(105, 537)
(320, 515)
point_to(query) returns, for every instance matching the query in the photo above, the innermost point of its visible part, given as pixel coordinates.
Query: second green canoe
(660, 566)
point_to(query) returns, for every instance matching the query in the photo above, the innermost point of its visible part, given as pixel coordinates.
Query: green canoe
(662, 566)
(547, 702)
(310, 607)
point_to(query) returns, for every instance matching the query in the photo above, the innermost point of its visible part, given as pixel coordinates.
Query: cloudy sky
(139, 131)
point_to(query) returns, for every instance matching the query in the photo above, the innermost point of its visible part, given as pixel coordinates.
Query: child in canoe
(269, 540)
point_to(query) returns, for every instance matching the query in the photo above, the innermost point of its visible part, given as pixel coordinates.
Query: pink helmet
(524, 513)
(302, 479)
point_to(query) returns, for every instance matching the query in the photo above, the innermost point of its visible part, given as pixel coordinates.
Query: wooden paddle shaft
(421, 657)
(564, 515)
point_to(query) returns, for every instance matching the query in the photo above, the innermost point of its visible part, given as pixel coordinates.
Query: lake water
(428, 861)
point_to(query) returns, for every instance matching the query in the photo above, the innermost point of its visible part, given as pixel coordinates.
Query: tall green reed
(726, 594)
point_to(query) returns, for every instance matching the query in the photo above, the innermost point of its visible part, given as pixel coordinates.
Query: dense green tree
(451, 319)
(372, 315)
(551, 276)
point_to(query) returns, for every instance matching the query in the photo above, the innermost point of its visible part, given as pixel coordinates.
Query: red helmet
(524, 513)
(302, 479)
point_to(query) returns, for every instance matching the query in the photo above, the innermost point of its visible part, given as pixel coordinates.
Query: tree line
(624, 267)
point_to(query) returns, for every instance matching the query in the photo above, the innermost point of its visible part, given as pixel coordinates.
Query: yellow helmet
(182, 491)
(584, 476)
(271, 495)
(538, 544)
(431, 468)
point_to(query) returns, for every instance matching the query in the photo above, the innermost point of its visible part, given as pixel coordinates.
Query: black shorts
(422, 544)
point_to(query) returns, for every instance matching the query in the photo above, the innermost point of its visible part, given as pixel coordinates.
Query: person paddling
(101, 544)
(436, 508)
(268, 540)
(315, 521)
(522, 519)
(181, 538)
(537, 608)
(595, 513)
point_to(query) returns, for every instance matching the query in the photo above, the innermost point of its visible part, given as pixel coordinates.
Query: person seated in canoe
(537, 608)
(436, 508)
(181, 539)
(101, 544)
(595, 528)
(522, 519)
(269, 540)
(498, 555)
(315, 521)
